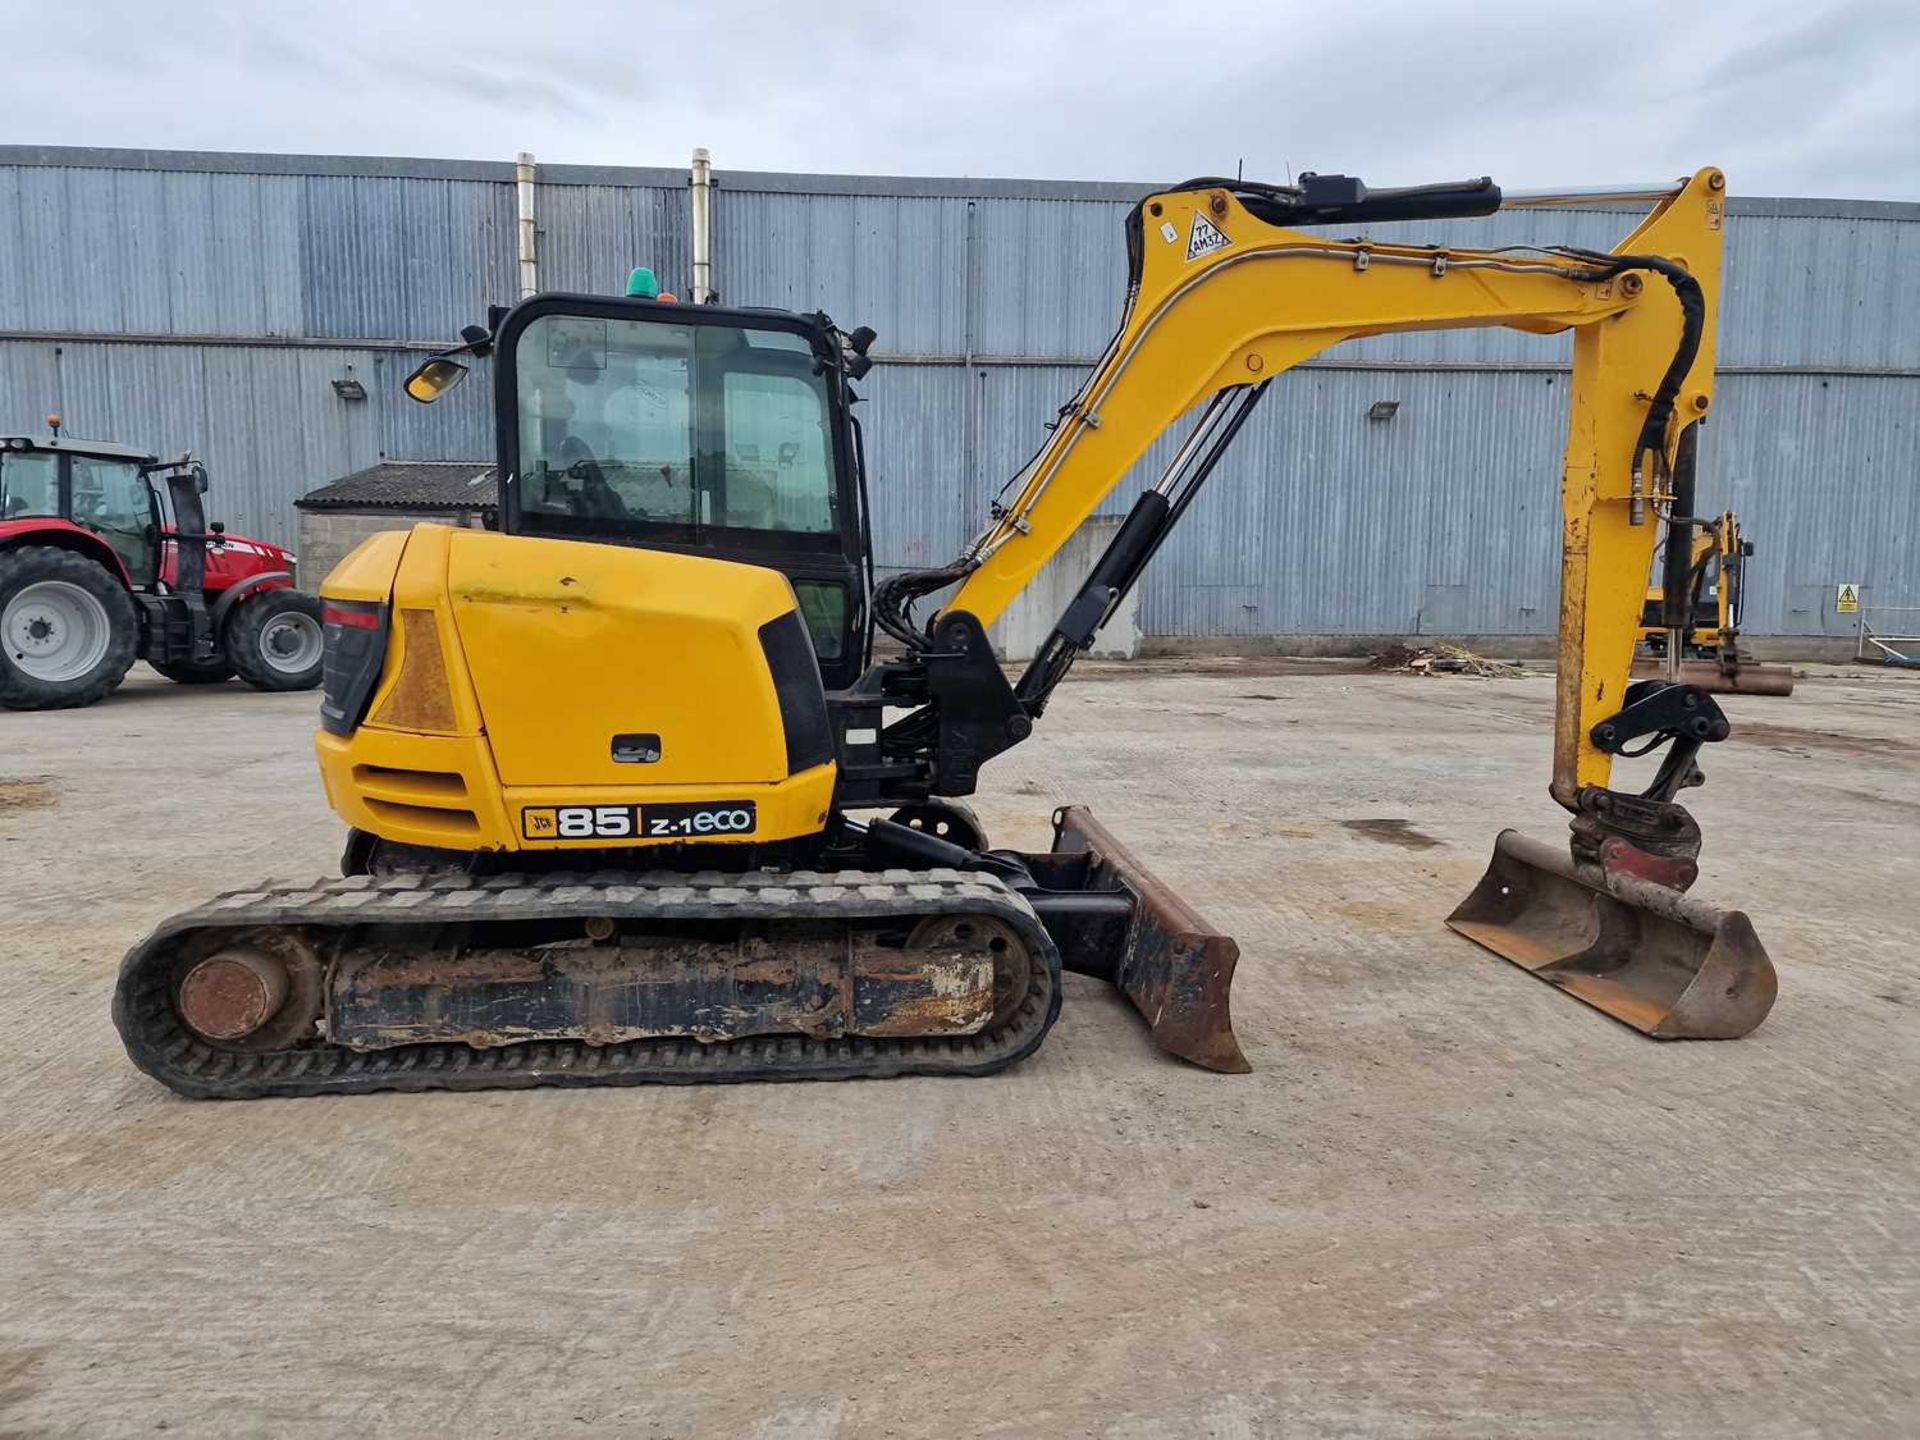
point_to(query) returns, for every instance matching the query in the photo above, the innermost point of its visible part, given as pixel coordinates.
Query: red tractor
(106, 558)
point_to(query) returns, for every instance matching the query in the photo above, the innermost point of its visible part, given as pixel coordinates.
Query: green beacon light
(641, 285)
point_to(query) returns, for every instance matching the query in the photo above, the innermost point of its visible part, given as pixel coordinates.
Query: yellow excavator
(1708, 579)
(632, 801)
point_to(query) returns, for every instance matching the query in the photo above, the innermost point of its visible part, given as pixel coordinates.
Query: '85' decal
(725, 820)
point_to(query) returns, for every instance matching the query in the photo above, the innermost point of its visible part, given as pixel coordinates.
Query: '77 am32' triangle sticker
(1205, 237)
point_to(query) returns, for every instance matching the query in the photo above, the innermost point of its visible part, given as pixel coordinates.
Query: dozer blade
(1743, 679)
(1646, 954)
(1175, 968)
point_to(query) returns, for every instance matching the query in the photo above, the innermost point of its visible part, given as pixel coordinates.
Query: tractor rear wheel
(275, 641)
(68, 629)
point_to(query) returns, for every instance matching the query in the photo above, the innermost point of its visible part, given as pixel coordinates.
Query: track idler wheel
(232, 993)
(259, 991)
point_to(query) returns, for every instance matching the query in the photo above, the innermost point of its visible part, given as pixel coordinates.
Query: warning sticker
(1205, 237)
(1847, 602)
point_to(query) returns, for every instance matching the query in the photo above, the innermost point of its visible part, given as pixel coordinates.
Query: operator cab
(707, 431)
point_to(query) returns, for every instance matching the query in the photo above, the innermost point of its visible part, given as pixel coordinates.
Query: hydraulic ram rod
(1588, 195)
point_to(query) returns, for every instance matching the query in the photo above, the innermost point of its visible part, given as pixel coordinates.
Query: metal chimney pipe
(701, 210)
(529, 264)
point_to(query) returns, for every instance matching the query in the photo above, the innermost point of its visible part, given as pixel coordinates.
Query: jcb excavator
(631, 801)
(1710, 588)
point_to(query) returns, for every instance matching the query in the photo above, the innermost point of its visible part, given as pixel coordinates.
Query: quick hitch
(1650, 834)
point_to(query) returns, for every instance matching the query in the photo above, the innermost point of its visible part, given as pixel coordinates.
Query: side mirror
(436, 375)
(200, 478)
(857, 343)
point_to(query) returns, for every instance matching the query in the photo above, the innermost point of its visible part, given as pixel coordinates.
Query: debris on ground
(1443, 660)
(29, 792)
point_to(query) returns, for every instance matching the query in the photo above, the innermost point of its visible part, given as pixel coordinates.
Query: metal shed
(240, 303)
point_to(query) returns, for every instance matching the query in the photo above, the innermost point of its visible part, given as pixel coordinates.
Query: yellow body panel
(570, 643)
(365, 573)
(511, 664)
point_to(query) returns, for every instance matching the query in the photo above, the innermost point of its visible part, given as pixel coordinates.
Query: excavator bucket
(1669, 966)
(1175, 968)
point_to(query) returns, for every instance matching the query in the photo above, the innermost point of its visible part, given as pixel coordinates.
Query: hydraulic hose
(1693, 325)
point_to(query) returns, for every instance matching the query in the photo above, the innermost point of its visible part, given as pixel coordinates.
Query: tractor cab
(106, 556)
(103, 489)
(728, 433)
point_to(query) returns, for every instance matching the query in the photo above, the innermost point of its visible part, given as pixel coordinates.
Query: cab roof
(74, 445)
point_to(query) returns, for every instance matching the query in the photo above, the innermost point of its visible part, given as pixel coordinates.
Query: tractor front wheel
(68, 629)
(275, 641)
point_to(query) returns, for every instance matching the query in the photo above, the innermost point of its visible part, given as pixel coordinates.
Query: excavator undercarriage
(441, 978)
(632, 800)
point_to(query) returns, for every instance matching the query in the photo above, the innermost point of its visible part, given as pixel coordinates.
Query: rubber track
(161, 1045)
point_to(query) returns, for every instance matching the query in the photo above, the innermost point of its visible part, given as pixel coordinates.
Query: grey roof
(408, 485)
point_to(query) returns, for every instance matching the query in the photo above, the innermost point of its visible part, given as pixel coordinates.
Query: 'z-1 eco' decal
(725, 819)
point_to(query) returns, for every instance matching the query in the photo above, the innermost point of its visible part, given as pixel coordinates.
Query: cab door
(113, 500)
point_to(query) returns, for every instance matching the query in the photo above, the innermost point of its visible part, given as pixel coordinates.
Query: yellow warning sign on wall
(1848, 600)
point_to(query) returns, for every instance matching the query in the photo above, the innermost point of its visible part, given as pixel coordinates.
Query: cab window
(29, 484)
(823, 605)
(779, 472)
(112, 499)
(642, 429)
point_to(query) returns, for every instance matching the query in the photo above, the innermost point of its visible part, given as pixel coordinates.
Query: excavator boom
(1224, 301)
(1223, 297)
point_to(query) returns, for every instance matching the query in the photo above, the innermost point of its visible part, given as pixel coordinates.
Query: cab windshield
(673, 432)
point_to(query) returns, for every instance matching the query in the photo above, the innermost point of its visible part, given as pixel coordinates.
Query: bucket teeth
(1670, 966)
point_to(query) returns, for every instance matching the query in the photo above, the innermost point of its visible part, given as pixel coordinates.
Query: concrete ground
(1449, 1200)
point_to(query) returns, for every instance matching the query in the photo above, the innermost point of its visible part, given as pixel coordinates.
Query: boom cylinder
(1140, 537)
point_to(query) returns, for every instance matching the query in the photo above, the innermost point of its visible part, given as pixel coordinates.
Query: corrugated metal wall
(208, 301)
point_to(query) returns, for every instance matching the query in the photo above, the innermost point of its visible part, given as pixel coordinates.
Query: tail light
(356, 637)
(421, 698)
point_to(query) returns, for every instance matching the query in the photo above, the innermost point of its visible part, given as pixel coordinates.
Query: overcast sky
(1812, 97)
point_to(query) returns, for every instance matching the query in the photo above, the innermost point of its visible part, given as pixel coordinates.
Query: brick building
(389, 496)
